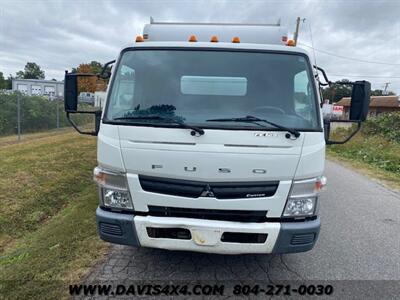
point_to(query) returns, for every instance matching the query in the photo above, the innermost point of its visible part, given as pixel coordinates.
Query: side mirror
(70, 92)
(359, 105)
(71, 102)
(360, 98)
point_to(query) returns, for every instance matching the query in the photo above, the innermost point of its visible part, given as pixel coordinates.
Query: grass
(48, 233)
(373, 155)
(13, 139)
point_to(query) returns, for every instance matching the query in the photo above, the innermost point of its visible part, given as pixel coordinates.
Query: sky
(358, 40)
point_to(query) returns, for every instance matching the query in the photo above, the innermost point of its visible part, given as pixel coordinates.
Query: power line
(350, 58)
(312, 40)
(367, 76)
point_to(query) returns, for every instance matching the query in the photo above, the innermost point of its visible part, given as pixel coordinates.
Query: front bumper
(206, 235)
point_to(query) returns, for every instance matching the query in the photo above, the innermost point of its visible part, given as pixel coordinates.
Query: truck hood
(218, 155)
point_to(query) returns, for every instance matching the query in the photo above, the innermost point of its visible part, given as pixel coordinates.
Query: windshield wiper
(169, 120)
(252, 119)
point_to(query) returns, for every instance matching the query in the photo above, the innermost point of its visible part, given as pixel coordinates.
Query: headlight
(114, 191)
(116, 199)
(302, 200)
(299, 207)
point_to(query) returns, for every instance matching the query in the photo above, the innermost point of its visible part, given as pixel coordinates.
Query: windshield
(194, 86)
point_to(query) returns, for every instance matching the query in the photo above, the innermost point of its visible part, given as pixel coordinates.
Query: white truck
(212, 139)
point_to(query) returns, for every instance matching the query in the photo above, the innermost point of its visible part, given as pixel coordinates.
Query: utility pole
(296, 33)
(385, 89)
(19, 116)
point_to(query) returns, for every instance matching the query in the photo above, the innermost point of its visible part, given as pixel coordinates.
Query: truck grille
(219, 190)
(209, 214)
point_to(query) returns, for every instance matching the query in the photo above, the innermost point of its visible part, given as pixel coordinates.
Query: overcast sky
(59, 35)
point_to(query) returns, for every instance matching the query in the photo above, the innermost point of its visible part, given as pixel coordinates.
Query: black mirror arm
(327, 81)
(97, 114)
(103, 74)
(328, 127)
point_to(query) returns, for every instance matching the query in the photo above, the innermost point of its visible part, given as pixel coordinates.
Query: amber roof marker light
(291, 43)
(192, 38)
(214, 39)
(235, 39)
(139, 39)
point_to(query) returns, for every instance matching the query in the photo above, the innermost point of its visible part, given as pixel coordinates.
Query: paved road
(359, 240)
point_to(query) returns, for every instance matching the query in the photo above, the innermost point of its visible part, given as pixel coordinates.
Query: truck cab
(211, 140)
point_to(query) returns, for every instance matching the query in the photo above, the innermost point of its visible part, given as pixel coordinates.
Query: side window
(123, 92)
(303, 99)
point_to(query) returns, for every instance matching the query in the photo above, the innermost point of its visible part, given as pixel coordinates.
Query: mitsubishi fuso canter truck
(212, 139)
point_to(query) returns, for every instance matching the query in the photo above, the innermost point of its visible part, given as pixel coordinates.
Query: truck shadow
(144, 264)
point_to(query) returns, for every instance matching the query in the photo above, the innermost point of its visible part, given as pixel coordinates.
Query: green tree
(380, 93)
(94, 67)
(5, 84)
(2, 81)
(31, 71)
(335, 92)
(8, 84)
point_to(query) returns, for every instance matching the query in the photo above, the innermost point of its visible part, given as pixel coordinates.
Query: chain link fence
(21, 114)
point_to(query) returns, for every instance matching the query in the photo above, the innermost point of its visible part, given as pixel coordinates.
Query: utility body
(212, 140)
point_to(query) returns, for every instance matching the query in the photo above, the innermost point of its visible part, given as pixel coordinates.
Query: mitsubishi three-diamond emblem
(207, 192)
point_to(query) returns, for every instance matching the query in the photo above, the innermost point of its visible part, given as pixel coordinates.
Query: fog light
(117, 199)
(300, 207)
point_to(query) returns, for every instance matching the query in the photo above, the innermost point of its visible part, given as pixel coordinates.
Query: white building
(99, 98)
(39, 87)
